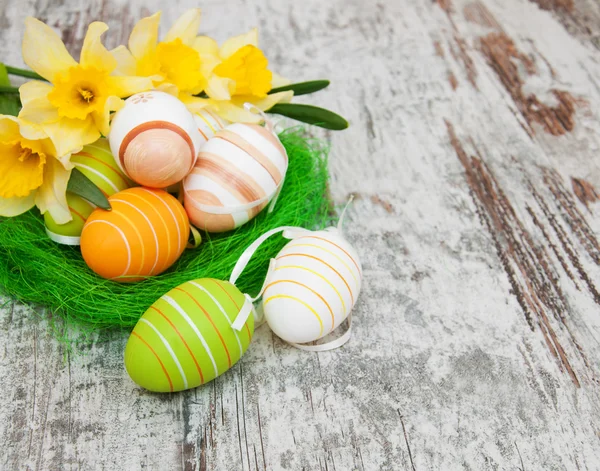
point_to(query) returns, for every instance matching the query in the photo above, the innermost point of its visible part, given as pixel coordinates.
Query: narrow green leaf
(311, 115)
(4, 81)
(24, 73)
(12, 90)
(84, 187)
(302, 88)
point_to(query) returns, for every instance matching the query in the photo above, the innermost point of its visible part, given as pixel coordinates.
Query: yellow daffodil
(74, 108)
(172, 64)
(238, 74)
(30, 174)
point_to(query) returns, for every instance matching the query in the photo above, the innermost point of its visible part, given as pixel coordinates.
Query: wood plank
(473, 155)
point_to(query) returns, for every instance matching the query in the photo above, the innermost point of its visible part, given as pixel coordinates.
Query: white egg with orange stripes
(155, 139)
(209, 123)
(238, 172)
(312, 286)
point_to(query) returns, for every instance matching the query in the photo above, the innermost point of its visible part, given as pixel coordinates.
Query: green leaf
(311, 115)
(10, 103)
(302, 88)
(84, 187)
(4, 81)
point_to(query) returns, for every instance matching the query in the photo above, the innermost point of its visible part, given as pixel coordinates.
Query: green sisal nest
(35, 270)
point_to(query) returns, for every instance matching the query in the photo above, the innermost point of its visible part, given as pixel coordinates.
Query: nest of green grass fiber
(35, 270)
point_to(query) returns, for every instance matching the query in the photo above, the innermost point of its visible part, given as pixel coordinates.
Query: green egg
(185, 339)
(97, 163)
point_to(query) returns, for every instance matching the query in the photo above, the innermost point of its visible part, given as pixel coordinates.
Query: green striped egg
(185, 338)
(97, 163)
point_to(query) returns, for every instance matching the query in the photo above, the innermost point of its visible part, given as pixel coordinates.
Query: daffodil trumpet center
(79, 92)
(21, 168)
(248, 68)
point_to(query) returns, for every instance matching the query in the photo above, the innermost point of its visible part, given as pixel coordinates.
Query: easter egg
(239, 170)
(312, 286)
(208, 123)
(155, 139)
(144, 234)
(97, 163)
(185, 338)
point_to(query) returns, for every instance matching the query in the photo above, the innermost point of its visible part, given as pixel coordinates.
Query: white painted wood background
(473, 151)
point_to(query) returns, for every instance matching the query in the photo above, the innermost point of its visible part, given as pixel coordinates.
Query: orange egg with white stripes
(312, 286)
(143, 235)
(238, 172)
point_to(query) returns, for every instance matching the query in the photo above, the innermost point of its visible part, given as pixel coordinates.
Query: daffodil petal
(10, 207)
(122, 86)
(102, 118)
(279, 81)
(237, 114)
(33, 131)
(52, 195)
(144, 36)
(93, 52)
(32, 90)
(9, 128)
(186, 27)
(206, 46)
(125, 61)
(220, 88)
(264, 103)
(194, 104)
(39, 111)
(168, 88)
(44, 51)
(230, 46)
(69, 135)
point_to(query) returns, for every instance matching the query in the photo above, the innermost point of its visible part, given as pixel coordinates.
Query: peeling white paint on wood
(444, 371)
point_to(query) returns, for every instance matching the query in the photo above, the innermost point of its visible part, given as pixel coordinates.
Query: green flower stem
(24, 73)
(9, 90)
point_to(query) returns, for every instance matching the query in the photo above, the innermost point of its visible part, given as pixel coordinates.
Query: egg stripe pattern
(122, 234)
(260, 138)
(208, 123)
(336, 245)
(150, 125)
(311, 290)
(221, 310)
(216, 117)
(294, 298)
(135, 208)
(236, 304)
(172, 214)
(182, 338)
(169, 349)
(324, 263)
(114, 171)
(165, 225)
(162, 365)
(243, 187)
(298, 267)
(191, 323)
(332, 254)
(256, 154)
(210, 319)
(120, 214)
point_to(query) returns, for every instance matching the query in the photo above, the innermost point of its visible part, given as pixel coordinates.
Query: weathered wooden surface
(474, 155)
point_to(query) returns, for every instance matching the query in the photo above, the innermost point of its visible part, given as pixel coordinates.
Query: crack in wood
(585, 191)
(537, 289)
(412, 464)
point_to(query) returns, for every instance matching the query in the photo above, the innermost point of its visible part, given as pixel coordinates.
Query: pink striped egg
(155, 139)
(239, 170)
(312, 286)
(209, 123)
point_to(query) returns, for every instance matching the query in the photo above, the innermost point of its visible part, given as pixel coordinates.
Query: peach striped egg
(208, 123)
(155, 139)
(238, 172)
(144, 234)
(312, 287)
(97, 163)
(186, 337)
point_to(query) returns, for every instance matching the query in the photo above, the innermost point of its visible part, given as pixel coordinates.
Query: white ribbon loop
(242, 317)
(324, 347)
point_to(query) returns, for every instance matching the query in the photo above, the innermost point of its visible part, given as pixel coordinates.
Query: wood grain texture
(473, 154)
